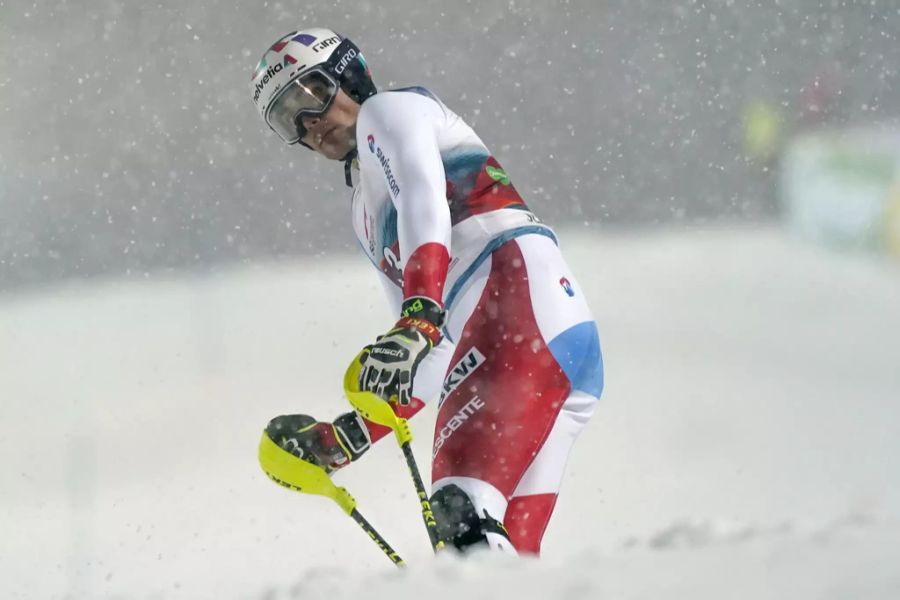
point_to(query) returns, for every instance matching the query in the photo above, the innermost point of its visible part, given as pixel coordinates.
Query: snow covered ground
(745, 446)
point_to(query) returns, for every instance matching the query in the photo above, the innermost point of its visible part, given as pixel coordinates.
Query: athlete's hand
(331, 446)
(389, 365)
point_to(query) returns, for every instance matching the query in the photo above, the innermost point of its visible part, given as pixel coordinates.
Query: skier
(492, 324)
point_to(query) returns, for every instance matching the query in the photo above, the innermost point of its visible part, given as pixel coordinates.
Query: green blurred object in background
(840, 187)
(762, 130)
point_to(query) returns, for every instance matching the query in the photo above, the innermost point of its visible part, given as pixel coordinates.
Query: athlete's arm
(400, 131)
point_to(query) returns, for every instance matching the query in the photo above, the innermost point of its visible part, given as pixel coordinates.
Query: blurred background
(129, 142)
(725, 177)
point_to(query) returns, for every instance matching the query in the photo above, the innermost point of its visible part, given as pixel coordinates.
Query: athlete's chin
(330, 153)
(335, 150)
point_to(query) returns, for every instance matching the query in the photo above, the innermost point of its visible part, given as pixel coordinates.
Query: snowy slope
(854, 559)
(743, 447)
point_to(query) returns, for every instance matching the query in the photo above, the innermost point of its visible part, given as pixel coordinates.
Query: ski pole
(296, 474)
(373, 408)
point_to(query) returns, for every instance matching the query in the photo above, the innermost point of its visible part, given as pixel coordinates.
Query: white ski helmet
(300, 75)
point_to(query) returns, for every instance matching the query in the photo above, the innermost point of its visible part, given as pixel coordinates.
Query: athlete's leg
(534, 499)
(506, 385)
(465, 506)
(575, 344)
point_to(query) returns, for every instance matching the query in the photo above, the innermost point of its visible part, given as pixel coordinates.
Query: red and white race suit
(519, 371)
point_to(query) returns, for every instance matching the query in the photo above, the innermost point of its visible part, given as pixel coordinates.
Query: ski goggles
(309, 94)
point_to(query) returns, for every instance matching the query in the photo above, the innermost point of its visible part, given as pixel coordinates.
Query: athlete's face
(333, 134)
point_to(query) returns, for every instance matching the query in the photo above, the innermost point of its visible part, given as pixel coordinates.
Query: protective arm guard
(331, 446)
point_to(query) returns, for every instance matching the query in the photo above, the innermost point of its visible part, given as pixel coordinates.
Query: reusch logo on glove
(389, 354)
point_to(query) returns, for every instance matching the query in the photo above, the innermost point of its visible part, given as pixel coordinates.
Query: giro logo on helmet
(325, 43)
(345, 60)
